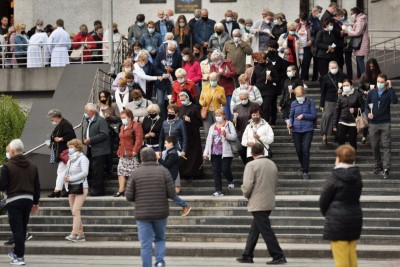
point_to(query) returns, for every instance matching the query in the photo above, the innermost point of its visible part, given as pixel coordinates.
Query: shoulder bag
(355, 42)
(64, 156)
(361, 120)
(235, 145)
(77, 54)
(76, 189)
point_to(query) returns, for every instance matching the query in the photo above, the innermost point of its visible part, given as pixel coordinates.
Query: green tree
(12, 122)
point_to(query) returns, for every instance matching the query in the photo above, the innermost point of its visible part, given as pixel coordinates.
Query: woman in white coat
(141, 77)
(76, 176)
(257, 131)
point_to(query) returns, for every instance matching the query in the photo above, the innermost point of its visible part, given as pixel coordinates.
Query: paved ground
(109, 261)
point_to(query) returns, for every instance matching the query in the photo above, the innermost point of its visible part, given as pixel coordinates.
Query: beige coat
(205, 71)
(260, 180)
(237, 54)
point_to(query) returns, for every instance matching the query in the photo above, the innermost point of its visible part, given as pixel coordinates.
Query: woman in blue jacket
(302, 119)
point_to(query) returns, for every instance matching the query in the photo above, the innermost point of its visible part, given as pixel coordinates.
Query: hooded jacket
(340, 203)
(20, 178)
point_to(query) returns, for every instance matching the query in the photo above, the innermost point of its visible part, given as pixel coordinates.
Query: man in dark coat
(163, 25)
(340, 204)
(229, 24)
(95, 136)
(20, 179)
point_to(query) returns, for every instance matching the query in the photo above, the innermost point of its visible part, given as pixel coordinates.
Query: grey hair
(213, 75)
(316, 8)
(218, 25)
(217, 54)
(237, 31)
(91, 107)
(180, 72)
(197, 12)
(243, 92)
(173, 43)
(169, 34)
(147, 154)
(17, 146)
(39, 21)
(333, 4)
(333, 62)
(154, 107)
(54, 113)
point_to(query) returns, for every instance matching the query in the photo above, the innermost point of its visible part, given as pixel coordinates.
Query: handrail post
(111, 34)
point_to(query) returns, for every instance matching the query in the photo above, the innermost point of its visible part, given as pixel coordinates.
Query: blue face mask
(71, 151)
(380, 86)
(138, 102)
(83, 32)
(213, 83)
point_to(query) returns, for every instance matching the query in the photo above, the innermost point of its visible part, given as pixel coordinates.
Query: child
(170, 159)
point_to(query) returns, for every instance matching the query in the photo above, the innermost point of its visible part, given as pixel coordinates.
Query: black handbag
(115, 127)
(269, 151)
(76, 189)
(355, 42)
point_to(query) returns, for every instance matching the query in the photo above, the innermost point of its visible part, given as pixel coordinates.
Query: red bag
(64, 156)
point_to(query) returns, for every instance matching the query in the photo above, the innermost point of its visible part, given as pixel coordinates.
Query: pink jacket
(193, 71)
(360, 27)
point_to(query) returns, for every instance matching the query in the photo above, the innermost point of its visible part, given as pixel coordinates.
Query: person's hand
(35, 208)
(258, 30)
(334, 129)
(66, 179)
(339, 91)
(280, 109)
(147, 135)
(300, 117)
(286, 51)
(152, 134)
(187, 119)
(269, 78)
(289, 126)
(205, 157)
(169, 69)
(205, 44)
(221, 71)
(389, 83)
(166, 75)
(110, 73)
(153, 52)
(58, 139)
(370, 116)
(219, 97)
(256, 136)
(291, 91)
(309, 43)
(322, 109)
(134, 154)
(160, 78)
(250, 144)
(87, 142)
(158, 155)
(183, 154)
(351, 110)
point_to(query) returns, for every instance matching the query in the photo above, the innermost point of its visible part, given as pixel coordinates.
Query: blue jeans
(302, 143)
(227, 108)
(180, 202)
(360, 65)
(149, 231)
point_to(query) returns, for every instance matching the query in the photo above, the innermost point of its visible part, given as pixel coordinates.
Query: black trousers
(261, 225)
(18, 217)
(270, 109)
(349, 65)
(97, 172)
(323, 66)
(221, 166)
(343, 131)
(315, 69)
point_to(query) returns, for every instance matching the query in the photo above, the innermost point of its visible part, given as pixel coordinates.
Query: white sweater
(78, 170)
(263, 130)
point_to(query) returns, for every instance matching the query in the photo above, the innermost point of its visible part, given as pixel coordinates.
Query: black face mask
(219, 32)
(115, 31)
(171, 116)
(204, 18)
(103, 101)
(197, 54)
(23, 32)
(152, 116)
(272, 52)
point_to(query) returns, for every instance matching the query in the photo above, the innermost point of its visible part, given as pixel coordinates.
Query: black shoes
(118, 194)
(378, 169)
(64, 193)
(281, 260)
(386, 173)
(244, 260)
(55, 194)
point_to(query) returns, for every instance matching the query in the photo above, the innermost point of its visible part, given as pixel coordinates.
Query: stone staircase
(219, 226)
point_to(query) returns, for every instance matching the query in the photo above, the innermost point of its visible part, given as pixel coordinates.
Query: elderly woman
(212, 98)
(254, 93)
(76, 176)
(62, 134)
(151, 126)
(85, 39)
(340, 204)
(175, 126)
(241, 118)
(302, 116)
(205, 69)
(21, 48)
(189, 112)
(218, 150)
(219, 38)
(289, 45)
(138, 106)
(227, 73)
(121, 94)
(111, 113)
(140, 75)
(127, 66)
(257, 131)
(130, 143)
(182, 83)
(350, 103)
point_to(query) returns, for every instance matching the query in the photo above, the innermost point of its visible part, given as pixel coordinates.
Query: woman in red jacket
(180, 84)
(227, 72)
(84, 38)
(130, 142)
(192, 68)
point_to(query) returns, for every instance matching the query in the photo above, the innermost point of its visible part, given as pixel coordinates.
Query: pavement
(110, 261)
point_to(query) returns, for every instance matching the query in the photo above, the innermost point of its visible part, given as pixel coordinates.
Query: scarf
(74, 156)
(170, 122)
(125, 101)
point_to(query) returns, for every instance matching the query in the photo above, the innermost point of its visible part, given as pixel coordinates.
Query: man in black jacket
(95, 136)
(19, 179)
(163, 25)
(229, 24)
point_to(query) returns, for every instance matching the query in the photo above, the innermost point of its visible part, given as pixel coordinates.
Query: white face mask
(292, 33)
(300, 99)
(330, 28)
(346, 89)
(290, 74)
(170, 52)
(185, 58)
(334, 71)
(128, 69)
(181, 25)
(229, 19)
(125, 122)
(244, 86)
(8, 156)
(244, 102)
(236, 39)
(181, 80)
(218, 119)
(140, 24)
(248, 28)
(276, 22)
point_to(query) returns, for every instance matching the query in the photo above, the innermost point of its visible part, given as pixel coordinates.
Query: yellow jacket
(206, 98)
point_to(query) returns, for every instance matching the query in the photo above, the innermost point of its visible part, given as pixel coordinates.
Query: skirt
(327, 118)
(126, 165)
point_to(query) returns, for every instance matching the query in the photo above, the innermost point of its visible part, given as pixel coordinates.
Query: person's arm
(184, 136)
(171, 160)
(319, 41)
(231, 71)
(358, 29)
(323, 93)
(231, 134)
(197, 71)
(248, 182)
(103, 132)
(222, 101)
(161, 139)
(130, 188)
(246, 48)
(67, 132)
(257, 96)
(75, 41)
(291, 114)
(208, 145)
(169, 184)
(244, 136)
(268, 137)
(138, 131)
(91, 45)
(36, 190)
(360, 101)
(142, 75)
(367, 110)
(336, 116)
(328, 191)
(312, 115)
(84, 166)
(393, 97)
(4, 178)
(114, 114)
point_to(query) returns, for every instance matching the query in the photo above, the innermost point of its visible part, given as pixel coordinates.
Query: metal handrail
(389, 40)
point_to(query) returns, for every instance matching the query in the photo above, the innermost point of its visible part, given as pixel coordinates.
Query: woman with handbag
(110, 112)
(350, 104)
(76, 177)
(59, 138)
(219, 151)
(82, 44)
(130, 143)
(152, 125)
(212, 97)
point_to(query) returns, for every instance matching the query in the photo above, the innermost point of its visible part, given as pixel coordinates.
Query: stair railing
(387, 52)
(120, 54)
